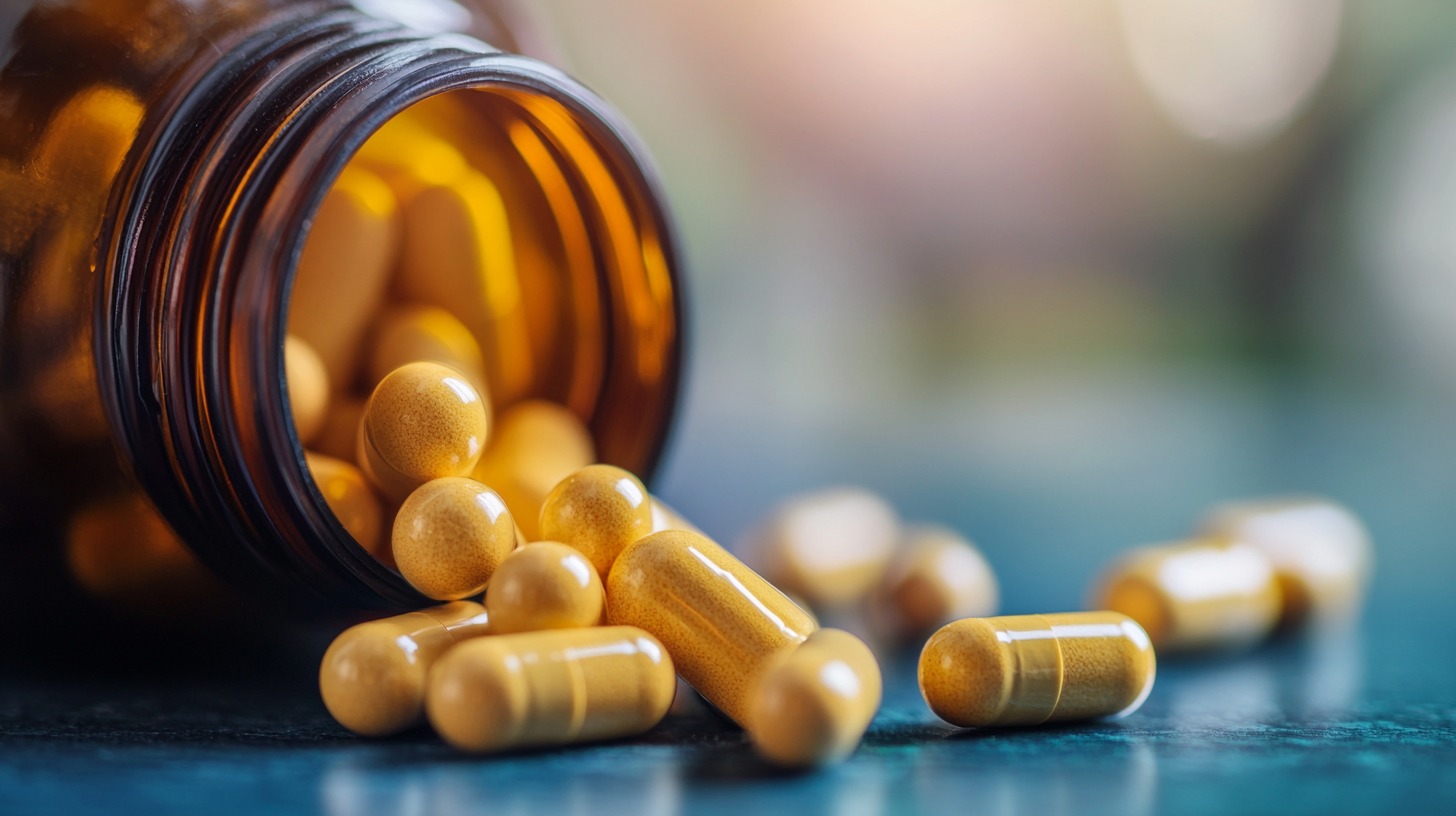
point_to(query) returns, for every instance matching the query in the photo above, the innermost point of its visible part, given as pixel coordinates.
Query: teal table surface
(1363, 721)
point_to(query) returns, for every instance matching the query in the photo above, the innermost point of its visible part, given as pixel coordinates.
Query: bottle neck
(200, 255)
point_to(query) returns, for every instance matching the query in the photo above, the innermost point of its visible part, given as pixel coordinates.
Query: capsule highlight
(373, 675)
(1033, 669)
(550, 688)
(813, 703)
(721, 621)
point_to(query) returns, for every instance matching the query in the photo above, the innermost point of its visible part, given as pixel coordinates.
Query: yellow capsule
(937, 577)
(1319, 549)
(308, 387)
(1195, 594)
(533, 446)
(450, 535)
(414, 333)
(599, 510)
(373, 675)
(719, 619)
(352, 501)
(1032, 669)
(550, 688)
(813, 703)
(344, 268)
(545, 585)
(458, 254)
(424, 421)
(339, 436)
(829, 547)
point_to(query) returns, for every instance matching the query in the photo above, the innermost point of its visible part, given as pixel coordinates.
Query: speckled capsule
(450, 535)
(373, 675)
(550, 688)
(721, 621)
(814, 702)
(599, 510)
(1206, 594)
(1033, 669)
(424, 421)
(545, 585)
(1320, 552)
(411, 333)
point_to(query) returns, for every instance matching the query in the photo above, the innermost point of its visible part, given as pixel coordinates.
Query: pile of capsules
(597, 596)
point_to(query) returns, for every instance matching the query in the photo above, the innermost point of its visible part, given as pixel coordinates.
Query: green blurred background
(1060, 274)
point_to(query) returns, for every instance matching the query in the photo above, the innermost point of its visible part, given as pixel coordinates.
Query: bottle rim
(197, 261)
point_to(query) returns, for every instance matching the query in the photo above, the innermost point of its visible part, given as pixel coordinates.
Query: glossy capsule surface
(308, 387)
(1206, 594)
(353, 501)
(545, 585)
(814, 702)
(534, 445)
(373, 676)
(450, 535)
(599, 510)
(721, 621)
(550, 688)
(1320, 552)
(1032, 669)
(424, 421)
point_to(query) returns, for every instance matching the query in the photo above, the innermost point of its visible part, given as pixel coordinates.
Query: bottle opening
(494, 231)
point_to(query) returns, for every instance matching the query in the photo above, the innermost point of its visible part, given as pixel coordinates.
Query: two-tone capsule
(373, 675)
(550, 688)
(1033, 669)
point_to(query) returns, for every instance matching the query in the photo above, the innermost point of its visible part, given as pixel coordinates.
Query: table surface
(1363, 721)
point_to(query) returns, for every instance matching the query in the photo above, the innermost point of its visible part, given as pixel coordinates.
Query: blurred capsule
(1200, 594)
(413, 333)
(308, 387)
(353, 502)
(828, 547)
(1319, 549)
(937, 577)
(533, 446)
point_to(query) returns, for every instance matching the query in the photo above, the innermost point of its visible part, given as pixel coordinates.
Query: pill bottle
(160, 163)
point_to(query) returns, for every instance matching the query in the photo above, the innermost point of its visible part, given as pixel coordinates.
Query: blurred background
(1059, 274)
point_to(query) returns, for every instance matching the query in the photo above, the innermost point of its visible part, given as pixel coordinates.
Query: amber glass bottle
(160, 161)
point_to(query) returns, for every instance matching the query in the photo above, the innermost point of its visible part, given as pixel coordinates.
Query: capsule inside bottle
(550, 688)
(1033, 669)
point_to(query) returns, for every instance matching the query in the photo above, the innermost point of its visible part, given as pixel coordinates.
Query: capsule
(550, 688)
(830, 547)
(937, 577)
(1208, 594)
(344, 268)
(413, 333)
(1319, 549)
(534, 445)
(813, 703)
(450, 535)
(348, 494)
(373, 675)
(545, 585)
(458, 254)
(308, 387)
(1033, 669)
(719, 619)
(599, 510)
(424, 421)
